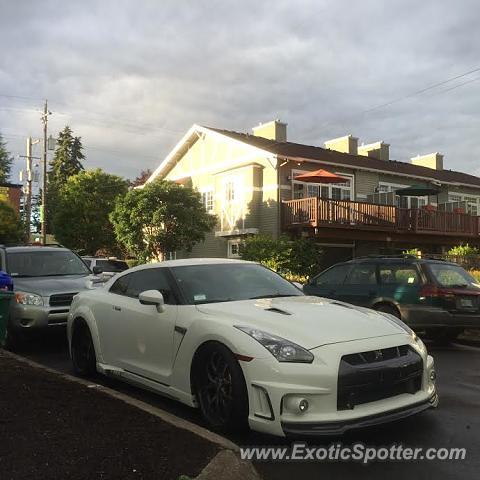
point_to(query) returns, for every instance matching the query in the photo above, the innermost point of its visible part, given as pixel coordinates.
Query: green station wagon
(434, 296)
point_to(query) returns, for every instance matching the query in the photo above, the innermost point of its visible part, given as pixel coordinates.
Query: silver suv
(45, 279)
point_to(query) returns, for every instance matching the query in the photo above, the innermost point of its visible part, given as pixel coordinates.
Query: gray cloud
(131, 77)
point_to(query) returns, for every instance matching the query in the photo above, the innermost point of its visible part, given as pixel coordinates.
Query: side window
(333, 276)
(151, 279)
(121, 285)
(87, 262)
(363, 274)
(399, 275)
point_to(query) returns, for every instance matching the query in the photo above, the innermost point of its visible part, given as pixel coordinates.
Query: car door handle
(118, 309)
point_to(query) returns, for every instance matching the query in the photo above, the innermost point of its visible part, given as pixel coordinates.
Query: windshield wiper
(274, 295)
(215, 300)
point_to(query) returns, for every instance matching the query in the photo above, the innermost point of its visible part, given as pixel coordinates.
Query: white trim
(230, 244)
(196, 129)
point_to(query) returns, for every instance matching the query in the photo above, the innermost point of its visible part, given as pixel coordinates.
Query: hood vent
(277, 310)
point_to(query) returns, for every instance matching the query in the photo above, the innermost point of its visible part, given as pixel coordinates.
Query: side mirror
(152, 297)
(97, 270)
(298, 285)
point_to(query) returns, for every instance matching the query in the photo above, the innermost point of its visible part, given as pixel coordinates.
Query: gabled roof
(186, 142)
(309, 152)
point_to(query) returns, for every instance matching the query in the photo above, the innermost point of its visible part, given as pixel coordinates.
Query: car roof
(400, 259)
(30, 248)
(178, 263)
(192, 261)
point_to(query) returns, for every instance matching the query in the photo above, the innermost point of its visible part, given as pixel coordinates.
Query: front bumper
(32, 317)
(340, 427)
(276, 390)
(419, 316)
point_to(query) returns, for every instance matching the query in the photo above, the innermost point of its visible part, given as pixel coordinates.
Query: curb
(225, 465)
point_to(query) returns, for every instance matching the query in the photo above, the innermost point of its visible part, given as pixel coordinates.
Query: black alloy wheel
(83, 352)
(221, 390)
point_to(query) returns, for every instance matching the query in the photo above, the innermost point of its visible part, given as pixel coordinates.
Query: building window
(402, 201)
(336, 191)
(230, 191)
(234, 248)
(207, 200)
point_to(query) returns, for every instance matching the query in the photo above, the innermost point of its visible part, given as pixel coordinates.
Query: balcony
(326, 213)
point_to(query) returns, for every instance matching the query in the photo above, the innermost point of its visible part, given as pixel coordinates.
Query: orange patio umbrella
(321, 176)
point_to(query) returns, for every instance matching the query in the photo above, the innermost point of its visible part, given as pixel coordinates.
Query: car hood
(307, 321)
(46, 286)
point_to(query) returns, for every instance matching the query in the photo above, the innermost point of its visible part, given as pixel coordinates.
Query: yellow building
(248, 181)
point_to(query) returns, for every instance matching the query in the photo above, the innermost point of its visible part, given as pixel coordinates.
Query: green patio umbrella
(418, 191)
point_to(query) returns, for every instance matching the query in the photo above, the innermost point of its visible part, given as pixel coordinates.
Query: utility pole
(28, 203)
(45, 115)
(29, 180)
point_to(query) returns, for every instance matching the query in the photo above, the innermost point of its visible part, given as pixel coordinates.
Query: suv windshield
(451, 275)
(111, 265)
(230, 282)
(45, 263)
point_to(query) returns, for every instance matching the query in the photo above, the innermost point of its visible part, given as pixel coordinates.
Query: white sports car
(247, 347)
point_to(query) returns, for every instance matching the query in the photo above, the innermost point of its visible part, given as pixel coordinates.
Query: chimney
(379, 150)
(431, 160)
(346, 144)
(274, 130)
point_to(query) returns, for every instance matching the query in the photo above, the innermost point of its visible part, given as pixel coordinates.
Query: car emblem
(378, 355)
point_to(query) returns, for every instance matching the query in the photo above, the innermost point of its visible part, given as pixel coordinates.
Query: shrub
(295, 259)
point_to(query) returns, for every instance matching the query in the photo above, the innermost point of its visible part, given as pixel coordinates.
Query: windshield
(45, 263)
(230, 282)
(452, 276)
(111, 265)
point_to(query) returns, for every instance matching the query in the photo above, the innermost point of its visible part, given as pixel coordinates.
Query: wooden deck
(318, 212)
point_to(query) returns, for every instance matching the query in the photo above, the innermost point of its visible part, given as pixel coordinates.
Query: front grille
(378, 374)
(62, 299)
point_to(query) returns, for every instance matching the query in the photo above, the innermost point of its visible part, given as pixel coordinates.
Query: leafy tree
(142, 178)
(162, 217)
(81, 218)
(5, 161)
(11, 228)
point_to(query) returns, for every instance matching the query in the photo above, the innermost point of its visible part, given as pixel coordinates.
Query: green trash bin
(5, 299)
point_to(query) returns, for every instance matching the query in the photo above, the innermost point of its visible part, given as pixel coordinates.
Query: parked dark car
(434, 296)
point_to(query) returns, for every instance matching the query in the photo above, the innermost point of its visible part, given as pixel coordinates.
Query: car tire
(220, 389)
(387, 308)
(14, 340)
(83, 352)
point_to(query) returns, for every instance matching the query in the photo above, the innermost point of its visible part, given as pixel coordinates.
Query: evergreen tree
(67, 160)
(5, 161)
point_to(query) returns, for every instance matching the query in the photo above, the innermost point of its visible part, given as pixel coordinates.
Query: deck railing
(319, 212)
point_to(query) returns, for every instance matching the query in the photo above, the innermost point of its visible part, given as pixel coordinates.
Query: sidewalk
(53, 428)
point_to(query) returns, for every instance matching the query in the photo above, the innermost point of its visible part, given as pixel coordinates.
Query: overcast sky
(130, 77)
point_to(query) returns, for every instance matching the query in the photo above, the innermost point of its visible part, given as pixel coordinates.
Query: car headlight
(283, 350)
(26, 298)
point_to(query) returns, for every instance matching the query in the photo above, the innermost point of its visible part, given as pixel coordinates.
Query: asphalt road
(455, 423)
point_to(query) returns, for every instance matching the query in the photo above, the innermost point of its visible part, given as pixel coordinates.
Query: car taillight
(430, 290)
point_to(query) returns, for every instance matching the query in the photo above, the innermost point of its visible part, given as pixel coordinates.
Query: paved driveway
(456, 423)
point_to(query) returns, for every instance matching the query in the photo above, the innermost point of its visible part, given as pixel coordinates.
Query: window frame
(348, 269)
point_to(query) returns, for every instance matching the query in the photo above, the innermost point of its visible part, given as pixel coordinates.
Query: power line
(404, 97)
